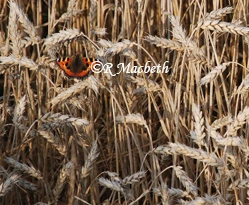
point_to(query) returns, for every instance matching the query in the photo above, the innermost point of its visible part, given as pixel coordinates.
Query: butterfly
(76, 67)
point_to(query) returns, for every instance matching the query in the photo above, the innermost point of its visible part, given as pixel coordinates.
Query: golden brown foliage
(131, 138)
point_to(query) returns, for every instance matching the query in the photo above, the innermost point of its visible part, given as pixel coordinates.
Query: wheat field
(179, 137)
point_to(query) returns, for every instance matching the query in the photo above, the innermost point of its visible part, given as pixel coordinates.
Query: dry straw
(52, 122)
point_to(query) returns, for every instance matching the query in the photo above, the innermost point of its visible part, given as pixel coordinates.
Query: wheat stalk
(219, 123)
(177, 148)
(114, 176)
(26, 184)
(14, 34)
(18, 114)
(23, 19)
(61, 180)
(132, 118)
(177, 30)
(93, 13)
(240, 184)
(163, 192)
(6, 186)
(72, 11)
(19, 109)
(164, 43)
(168, 194)
(58, 119)
(243, 87)
(23, 62)
(177, 193)
(219, 13)
(230, 141)
(118, 47)
(91, 158)
(185, 180)
(225, 27)
(114, 185)
(148, 84)
(54, 141)
(100, 31)
(210, 77)
(238, 122)
(63, 36)
(90, 83)
(117, 184)
(133, 178)
(198, 134)
(197, 58)
(180, 35)
(214, 200)
(105, 43)
(24, 168)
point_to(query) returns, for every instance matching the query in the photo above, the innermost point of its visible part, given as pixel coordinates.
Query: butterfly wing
(86, 67)
(64, 64)
(76, 67)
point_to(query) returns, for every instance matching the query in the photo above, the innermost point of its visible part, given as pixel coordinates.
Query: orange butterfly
(76, 67)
